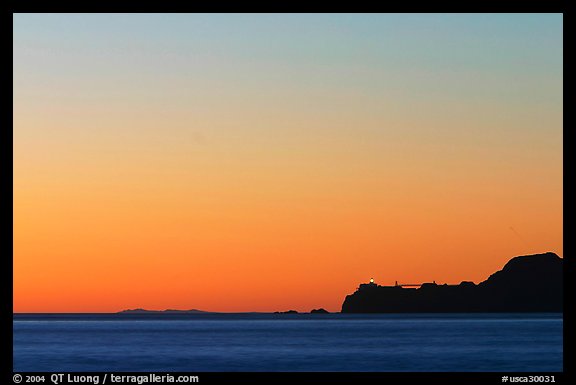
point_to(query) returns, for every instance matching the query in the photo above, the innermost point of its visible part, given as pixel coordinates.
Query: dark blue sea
(289, 342)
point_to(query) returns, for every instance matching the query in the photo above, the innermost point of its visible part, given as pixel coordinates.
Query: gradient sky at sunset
(274, 162)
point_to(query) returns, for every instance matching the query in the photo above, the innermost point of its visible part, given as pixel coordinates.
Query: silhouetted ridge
(528, 271)
(530, 283)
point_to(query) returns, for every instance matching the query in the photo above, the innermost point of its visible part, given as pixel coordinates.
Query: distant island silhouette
(196, 311)
(167, 311)
(530, 283)
(313, 311)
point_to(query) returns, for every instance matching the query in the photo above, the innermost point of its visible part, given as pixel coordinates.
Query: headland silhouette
(531, 283)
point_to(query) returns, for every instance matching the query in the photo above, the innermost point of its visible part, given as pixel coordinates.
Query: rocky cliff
(531, 283)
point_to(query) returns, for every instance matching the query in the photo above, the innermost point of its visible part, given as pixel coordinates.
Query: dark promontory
(531, 283)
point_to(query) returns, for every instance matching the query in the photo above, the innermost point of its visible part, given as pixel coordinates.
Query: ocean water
(285, 342)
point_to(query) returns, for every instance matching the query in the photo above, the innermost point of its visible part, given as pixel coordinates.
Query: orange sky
(235, 181)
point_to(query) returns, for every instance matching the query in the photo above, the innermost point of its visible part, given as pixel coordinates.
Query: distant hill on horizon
(529, 283)
(167, 311)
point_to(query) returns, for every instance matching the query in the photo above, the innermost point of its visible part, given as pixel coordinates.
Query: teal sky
(501, 55)
(431, 72)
